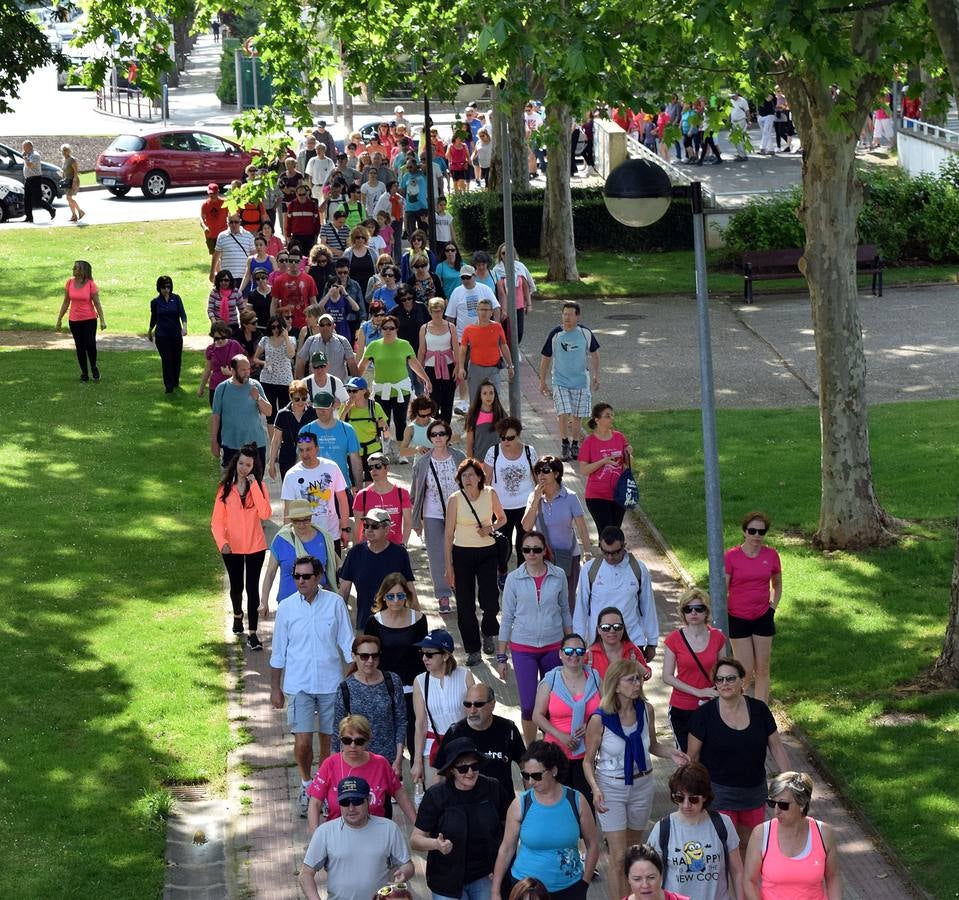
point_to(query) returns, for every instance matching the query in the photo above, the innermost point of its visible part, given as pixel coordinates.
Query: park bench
(772, 265)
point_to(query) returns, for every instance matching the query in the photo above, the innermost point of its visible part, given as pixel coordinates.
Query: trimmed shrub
(226, 89)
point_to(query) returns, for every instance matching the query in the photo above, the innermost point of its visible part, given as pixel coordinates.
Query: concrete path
(269, 838)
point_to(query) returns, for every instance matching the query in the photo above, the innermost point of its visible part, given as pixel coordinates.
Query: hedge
(226, 89)
(478, 218)
(906, 218)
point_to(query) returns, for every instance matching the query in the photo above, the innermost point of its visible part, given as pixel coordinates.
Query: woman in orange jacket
(242, 501)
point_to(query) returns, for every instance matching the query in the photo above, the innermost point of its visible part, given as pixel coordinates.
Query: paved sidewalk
(268, 838)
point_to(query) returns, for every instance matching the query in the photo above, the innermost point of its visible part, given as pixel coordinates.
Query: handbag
(500, 539)
(626, 493)
(431, 732)
(66, 184)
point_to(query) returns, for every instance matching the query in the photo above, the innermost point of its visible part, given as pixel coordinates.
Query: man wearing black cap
(325, 138)
(361, 853)
(497, 739)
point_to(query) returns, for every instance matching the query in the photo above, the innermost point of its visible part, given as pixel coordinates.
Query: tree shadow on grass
(112, 603)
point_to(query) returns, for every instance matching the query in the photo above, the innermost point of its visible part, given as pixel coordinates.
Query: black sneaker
(96, 374)
(84, 377)
(253, 642)
(238, 624)
(574, 451)
(565, 455)
(489, 644)
(474, 659)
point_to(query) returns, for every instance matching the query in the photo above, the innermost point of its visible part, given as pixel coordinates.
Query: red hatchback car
(156, 162)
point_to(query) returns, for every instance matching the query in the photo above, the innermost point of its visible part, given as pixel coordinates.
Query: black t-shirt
(397, 651)
(500, 744)
(409, 325)
(734, 758)
(261, 306)
(290, 429)
(367, 570)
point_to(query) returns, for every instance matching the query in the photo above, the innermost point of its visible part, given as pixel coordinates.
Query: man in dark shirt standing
(497, 739)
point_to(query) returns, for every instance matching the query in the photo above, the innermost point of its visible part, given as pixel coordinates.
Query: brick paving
(267, 836)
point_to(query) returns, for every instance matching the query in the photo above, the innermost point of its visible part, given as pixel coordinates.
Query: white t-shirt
(444, 227)
(318, 486)
(434, 506)
(696, 865)
(512, 478)
(462, 306)
(318, 170)
(371, 193)
(359, 861)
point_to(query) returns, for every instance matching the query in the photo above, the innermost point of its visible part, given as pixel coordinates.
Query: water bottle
(418, 793)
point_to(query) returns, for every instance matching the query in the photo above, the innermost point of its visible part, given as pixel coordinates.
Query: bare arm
(580, 523)
(672, 679)
(419, 733)
(587, 829)
(507, 849)
(736, 874)
(594, 737)
(307, 880)
(656, 747)
(693, 748)
(407, 524)
(594, 365)
(779, 752)
(545, 363)
(272, 567)
(833, 873)
(754, 861)
(96, 305)
(777, 582)
(63, 308)
(420, 373)
(214, 432)
(448, 539)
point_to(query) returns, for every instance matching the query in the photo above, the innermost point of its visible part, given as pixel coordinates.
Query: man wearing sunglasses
(616, 578)
(336, 349)
(359, 852)
(320, 482)
(370, 561)
(497, 740)
(383, 494)
(336, 440)
(232, 248)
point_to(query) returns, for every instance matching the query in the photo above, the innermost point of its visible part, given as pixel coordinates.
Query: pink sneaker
(445, 607)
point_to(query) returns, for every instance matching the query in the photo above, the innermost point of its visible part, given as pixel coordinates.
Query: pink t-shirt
(561, 716)
(394, 502)
(377, 773)
(687, 670)
(81, 301)
(219, 357)
(601, 484)
(750, 581)
(484, 418)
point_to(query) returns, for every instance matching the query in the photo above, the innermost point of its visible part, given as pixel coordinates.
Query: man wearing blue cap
(360, 853)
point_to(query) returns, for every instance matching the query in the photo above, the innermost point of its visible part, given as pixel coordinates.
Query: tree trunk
(850, 515)
(945, 22)
(518, 151)
(946, 669)
(557, 243)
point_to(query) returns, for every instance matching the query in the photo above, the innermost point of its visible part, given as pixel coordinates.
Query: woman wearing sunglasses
(754, 586)
(690, 654)
(378, 697)
(792, 855)
(369, 422)
(544, 826)
(275, 352)
(713, 875)
(730, 737)
(399, 628)
(437, 349)
(355, 759)
(449, 268)
(286, 427)
(460, 825)
(612, 644)
(565, 699)
(534, 620)
(620, 743)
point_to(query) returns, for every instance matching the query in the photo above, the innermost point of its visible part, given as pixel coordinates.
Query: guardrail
(936, 132)
(676, 175)
(131, 103)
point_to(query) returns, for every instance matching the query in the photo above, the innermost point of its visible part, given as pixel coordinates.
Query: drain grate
(189, 793)
(625, 317)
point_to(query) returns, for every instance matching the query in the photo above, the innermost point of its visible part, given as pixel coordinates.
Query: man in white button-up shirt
(311, 634)
(616, 584)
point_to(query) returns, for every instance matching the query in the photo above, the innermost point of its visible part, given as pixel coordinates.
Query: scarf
(578, 707)
(440, 361)
(635, 756)
(286, 533)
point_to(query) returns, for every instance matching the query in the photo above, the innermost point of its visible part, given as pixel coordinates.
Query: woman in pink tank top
(792, 857)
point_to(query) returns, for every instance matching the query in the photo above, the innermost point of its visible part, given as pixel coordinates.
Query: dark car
(156, 162)
(12, 200)
(11, 165)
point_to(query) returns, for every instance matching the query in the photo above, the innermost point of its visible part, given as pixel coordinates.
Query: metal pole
(256, 87)
(515, 387)
(714, 514)
(430, 182)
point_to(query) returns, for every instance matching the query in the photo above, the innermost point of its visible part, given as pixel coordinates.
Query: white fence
(923, 148)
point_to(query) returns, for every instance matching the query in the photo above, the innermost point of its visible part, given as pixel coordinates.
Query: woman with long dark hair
(167, 328)
(242, 505)
(603, 458)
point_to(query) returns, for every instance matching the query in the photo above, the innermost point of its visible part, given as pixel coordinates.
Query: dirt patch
(62, 340)
(899, 719)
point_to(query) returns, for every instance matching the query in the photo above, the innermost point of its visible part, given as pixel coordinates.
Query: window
(176, 141)
(207, 143)
(126, 143)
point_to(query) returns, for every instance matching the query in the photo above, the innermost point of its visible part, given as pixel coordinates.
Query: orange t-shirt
(484, 343)
(213, 212)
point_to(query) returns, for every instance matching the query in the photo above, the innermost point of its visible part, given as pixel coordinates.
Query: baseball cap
(437, 639)
(398, 109)
(325, 319)
(376, 514)
(318, 358)
(352, 788)
(357, 383)
(323, 400)
(467, 272)
(321, 123)
(213, 188)
(300, 509)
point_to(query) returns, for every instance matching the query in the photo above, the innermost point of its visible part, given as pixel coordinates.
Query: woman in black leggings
(242, 504)
(82, 297)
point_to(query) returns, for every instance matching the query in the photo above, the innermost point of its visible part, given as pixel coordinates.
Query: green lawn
(851, 627)
(112, 621)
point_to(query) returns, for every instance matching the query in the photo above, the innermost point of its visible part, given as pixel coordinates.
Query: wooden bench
(772, 265)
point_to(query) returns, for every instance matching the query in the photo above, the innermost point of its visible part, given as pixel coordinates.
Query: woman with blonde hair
(620, 740)
(690, 654)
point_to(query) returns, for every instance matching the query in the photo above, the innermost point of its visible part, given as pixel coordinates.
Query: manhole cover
(189, 793)
(625, 317)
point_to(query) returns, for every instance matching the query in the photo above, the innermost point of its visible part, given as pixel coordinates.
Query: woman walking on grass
(82, 297)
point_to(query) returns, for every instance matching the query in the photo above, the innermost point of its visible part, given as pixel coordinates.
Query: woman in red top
(613, 644)
(242, 504)
(754, 586)
(644, 875)
(458, 156)
(690, 654)
(602, 459)
(82, 297)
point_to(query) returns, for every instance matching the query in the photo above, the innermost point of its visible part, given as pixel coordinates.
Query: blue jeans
(475, 890)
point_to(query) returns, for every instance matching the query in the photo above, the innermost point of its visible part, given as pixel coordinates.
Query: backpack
(387, 683)
(593, 571)
(529, 459)
(526, 801)
(718, 824)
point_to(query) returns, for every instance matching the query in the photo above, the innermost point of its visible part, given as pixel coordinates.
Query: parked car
(156, 162)
(12, 199)
(11, 165)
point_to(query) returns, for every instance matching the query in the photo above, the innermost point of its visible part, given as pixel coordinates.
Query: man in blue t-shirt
(573, 351)
(238, 407)
(336, 440)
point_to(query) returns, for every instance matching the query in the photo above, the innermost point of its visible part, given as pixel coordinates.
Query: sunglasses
(366, 657)
(543, 471)
(398, 597)
(573, 651)
(612, 626)
(352, 801)
(350, 741)
(759, 531)
(536, 550)
(300, 399)
(693, 609)
(779, 804)
(475, 704)
(258, 278)
(692, 799)
(283, 259)
(373, 526)
(612, 553)
(305, 440)
(534, 776)
(375, 467)
(389, 328)
(467, 767)
(438, 434)
(450, 249)
(419, 265)
(510, 437)
(726, 679)
(429, 654)
(303, 576)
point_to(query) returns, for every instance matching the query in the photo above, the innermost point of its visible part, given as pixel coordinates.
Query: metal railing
(676, 175)
(131, 103)
(936, 132)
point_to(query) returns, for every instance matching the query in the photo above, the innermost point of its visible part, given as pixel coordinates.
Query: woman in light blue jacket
(534, 620)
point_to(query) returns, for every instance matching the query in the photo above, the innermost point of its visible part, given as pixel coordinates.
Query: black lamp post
(638, 193)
